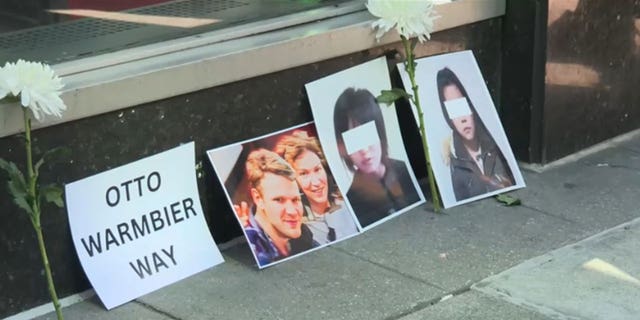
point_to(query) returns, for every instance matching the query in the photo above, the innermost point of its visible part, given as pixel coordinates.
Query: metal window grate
(88, 29)
(191, 8)
(70, 40)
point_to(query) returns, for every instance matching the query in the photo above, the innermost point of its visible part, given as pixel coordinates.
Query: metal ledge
(131, 77)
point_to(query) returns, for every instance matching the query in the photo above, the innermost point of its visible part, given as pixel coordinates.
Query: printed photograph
(363, 143)
(470, 153)
(283, 194)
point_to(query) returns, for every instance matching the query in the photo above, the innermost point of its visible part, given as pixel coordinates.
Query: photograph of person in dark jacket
(381, 185)
(477, 164)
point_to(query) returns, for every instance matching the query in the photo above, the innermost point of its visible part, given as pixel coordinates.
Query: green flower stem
(410, 67)
(30, 171)
(47, 269)
(35, 217)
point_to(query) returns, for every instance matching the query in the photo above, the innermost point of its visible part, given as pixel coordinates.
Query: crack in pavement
(426, 304)
(548, 213)
(632, 149)
(412, 277)
(156, 310)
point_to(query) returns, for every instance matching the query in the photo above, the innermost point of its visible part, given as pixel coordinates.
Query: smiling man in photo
(275, 231)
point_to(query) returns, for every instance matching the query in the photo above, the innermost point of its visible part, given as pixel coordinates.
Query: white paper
(457, 108)
(371, 76)
(146, 223)
(360, 137)
(439, 134)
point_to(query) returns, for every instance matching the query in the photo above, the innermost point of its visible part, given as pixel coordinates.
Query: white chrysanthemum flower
(411, 18)
(35, 84)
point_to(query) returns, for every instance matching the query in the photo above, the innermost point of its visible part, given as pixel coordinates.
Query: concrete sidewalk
(423, 265)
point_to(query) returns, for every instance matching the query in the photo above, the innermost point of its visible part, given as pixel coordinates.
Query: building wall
(592, 74)
(523, 59)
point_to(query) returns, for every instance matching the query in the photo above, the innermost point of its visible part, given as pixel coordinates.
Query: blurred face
(311, 177)
(278, 200)
(465, 125)
(368, 159)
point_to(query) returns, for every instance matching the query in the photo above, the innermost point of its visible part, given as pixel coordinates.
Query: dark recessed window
(55, 31)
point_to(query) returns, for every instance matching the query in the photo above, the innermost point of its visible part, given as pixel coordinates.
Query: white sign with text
(139, 227)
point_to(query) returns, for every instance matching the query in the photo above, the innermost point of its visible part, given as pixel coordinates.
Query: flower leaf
(17, 188)
(508, 200)
(5, 165)
(53, 155)
(53, 194)
(390, 96)
(23, 204)
(17, 185)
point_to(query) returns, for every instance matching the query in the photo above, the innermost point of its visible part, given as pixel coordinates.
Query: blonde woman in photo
(326, 215)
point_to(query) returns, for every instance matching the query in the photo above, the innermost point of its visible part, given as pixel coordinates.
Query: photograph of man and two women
(293, 194)
(283, 194)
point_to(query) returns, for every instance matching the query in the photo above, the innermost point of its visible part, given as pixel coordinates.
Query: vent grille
(89, 29)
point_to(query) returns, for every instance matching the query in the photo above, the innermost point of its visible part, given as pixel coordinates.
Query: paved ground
(478, 261)
(592, 279)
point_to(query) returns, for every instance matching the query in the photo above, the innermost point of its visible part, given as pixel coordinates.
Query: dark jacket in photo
(374, 198)
(467, 179)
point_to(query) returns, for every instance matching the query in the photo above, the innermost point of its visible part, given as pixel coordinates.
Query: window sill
(127, 78)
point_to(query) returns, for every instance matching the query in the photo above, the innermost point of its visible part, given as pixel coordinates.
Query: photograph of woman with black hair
(363, 144)
(381, 185)
(477, 165)
(470, 153)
